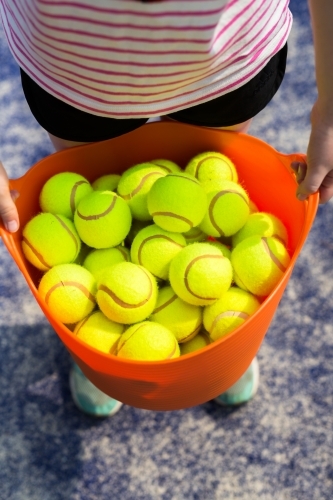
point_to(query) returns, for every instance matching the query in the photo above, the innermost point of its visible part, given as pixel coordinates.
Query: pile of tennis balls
(157, 262)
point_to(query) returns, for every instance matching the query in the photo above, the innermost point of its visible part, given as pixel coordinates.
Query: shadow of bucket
(200, 376)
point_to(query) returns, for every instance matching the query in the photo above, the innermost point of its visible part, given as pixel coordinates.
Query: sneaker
(244, 389)
(88, 398)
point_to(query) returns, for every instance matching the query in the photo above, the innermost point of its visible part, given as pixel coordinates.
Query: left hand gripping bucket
(200, 376)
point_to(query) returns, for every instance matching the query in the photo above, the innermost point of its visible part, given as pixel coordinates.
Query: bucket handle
(286, 160)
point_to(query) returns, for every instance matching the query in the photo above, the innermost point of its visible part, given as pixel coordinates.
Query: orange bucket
(200, 376)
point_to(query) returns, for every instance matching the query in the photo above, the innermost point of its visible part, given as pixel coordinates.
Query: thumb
(314, 177)
(8, 211)
(306, 183)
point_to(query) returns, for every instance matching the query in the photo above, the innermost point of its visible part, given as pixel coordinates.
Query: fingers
(8, 211)
(316, 174)
(309, 181)
(326, 188)
(312, 179)
(300, 170)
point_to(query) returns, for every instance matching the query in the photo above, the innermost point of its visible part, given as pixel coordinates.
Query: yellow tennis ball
(62, 193)
(226, 252)
(102, 219)
(200, 341)
(167, 165)
(108, 182)
(99, 332)
(229, 312)
(212, 165)
(228, 209)
(69, 290)
(100, 259)
(259, 263)
(194, 235)
(155, 248)
(126, 293)
(177, 202)
(49, 240)
(262, 224)
(134, 186)
(148, 341)
(183, 319)
(200, 274)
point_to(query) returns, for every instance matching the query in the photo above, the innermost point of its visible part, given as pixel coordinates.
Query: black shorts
(66, 122)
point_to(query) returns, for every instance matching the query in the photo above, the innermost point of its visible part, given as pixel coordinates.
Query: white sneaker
(88, 398)
(244, 389)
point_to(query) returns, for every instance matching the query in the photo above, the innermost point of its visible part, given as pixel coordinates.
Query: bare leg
(60, 144)
(239, 127)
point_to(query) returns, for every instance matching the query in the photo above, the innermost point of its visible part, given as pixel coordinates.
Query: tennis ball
(198, 342)
(69, 291)
(148, 341)
(126, 293)
(48, 240)
(183, 319)
(212, 165)
(99, 332)
(62, 193)
(263, 224)
(226, 252)
(229, 312)
(177, 202)
(134, 185)
(228, 209)
(155, 248)
(102, 219)
(259, 263)
(200, 274)
(193, 235)
(108, 182)
(99, 259)
(167, 165)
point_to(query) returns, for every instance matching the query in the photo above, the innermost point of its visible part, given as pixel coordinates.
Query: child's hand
(8, 211)
(317, 173)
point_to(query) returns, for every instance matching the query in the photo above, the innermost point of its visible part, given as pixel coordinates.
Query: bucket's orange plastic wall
(198, 377)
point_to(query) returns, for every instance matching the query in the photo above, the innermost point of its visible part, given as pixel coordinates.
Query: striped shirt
(129, 59)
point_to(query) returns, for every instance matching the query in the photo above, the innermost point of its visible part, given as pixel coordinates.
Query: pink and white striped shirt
(129, 59)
